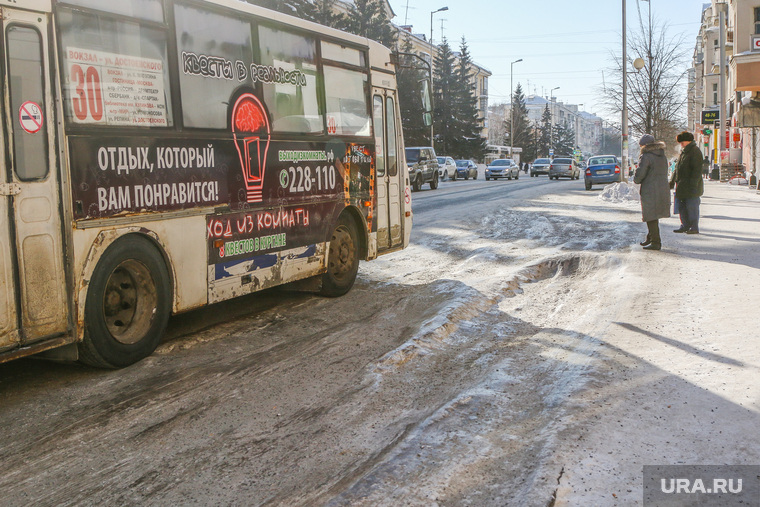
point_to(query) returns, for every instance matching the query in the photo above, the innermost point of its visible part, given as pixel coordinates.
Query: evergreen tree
(368, 18)
(444, 93)
(408, 76)
(545, 133)
(523, 131)
(324, 13)
(564, 140)
(531, 151)
(468, 142)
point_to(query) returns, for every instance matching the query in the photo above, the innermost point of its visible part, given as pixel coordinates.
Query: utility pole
(512, 110)
(722, 84)
(624, 154)
(551, 123)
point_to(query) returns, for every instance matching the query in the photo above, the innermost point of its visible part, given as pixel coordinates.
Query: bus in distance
(163, 155)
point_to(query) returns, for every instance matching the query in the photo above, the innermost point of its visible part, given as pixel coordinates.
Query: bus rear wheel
(127, 305)
(342, 259)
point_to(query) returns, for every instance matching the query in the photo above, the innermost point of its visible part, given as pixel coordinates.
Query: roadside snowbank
(625, 192)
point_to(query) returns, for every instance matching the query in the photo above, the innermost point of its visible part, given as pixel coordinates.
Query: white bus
(162, 155)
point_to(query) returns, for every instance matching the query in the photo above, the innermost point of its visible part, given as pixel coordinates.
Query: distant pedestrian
(525, 167)
(706, 167)
(652, 175)
(687, 180)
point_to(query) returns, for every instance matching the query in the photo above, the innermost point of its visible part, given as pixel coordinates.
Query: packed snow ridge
(621, 192)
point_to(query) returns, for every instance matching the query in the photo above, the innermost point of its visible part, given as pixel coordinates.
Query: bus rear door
(389, 175)
(33, 302)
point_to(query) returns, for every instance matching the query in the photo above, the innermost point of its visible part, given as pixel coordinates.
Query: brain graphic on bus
(251, 132)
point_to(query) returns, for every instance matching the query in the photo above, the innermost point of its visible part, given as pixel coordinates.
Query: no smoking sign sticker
(30, 117)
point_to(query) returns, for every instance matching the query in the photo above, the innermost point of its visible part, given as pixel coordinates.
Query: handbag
(676, 211)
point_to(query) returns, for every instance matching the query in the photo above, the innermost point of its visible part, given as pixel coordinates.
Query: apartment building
(741, 80)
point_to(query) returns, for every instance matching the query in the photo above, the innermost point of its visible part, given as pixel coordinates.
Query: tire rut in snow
(490, 440)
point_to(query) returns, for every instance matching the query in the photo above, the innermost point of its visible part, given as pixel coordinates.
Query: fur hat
(646, 139)
(685, 136)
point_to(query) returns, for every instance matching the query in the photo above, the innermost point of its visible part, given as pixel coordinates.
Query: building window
(757, 20)
(715, 93)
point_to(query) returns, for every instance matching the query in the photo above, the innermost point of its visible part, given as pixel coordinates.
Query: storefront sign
(710, 115)
(755, 43)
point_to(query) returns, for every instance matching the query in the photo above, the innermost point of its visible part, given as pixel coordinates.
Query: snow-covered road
(523, 350)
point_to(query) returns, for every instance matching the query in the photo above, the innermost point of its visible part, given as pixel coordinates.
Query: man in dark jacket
(652, 175)
(687, 180)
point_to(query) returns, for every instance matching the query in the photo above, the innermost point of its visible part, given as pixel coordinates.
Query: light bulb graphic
(251, 132)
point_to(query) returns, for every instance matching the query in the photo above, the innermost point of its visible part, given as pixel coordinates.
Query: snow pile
(625, 192)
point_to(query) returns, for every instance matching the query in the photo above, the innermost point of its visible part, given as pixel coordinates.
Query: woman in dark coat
(687, 179)
(652, 175)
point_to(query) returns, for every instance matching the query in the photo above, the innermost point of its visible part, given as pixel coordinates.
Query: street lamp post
(512, 110)
(431, 22)
(551, 117)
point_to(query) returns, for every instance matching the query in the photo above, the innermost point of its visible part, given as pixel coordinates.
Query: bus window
(114, 71)
(342, 54)
(150, 10)
(214, 54)
(25, 64)
(379, 136)
(391, 134)
(346, 95)
(288, 73)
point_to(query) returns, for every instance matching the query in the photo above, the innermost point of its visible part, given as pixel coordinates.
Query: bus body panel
(177, 240)
(31, 5)
(231, 212)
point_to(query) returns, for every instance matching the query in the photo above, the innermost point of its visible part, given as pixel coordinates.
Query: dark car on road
(540, 166)
(502, 168)
(565, 167)
(423, 167)
(601, 170)
(466, 169)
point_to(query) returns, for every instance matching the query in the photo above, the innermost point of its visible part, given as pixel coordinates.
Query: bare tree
(656, 98)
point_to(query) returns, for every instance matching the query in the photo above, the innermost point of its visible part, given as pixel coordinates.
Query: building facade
(741, 82)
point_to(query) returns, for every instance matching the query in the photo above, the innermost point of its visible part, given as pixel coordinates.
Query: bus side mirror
(427, 102)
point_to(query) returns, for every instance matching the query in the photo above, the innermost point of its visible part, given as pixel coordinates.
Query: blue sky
(562, 43)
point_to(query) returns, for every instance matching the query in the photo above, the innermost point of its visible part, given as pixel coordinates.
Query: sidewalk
(680, 360)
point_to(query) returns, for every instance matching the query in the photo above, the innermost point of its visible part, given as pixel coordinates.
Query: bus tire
(127, 306)
(342, 259)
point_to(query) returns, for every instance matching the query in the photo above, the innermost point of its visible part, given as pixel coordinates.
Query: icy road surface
(522, 351)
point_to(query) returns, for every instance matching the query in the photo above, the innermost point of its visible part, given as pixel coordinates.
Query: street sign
(755, 43)
(710, 115)
(551, 153)
(707, 132)
(737, 137)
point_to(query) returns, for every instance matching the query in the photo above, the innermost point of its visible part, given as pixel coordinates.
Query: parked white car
(447, 168)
